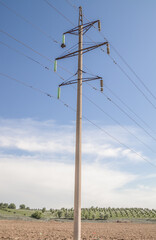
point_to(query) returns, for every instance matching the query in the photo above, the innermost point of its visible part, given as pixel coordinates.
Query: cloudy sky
(37, 132)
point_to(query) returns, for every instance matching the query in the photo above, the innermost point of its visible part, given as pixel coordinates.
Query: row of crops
(106, 213)
(93, 213)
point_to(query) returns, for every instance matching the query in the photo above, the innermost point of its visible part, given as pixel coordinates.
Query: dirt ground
(32, 230)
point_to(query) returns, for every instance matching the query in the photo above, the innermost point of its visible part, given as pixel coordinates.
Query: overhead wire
(52, 6)
(87, 83)
(121, 57)
(37, 52)
(29, 22)
(49, 95)
(129, 108)
(26, 84)
(73, 48)
(54, 40)
(122, 70)
(119, 67)
(31, 49)
(117, 97)
(30, 58)
(23, 54)
(123, 111)
(84, 117)
(43, 32)
(116, 121)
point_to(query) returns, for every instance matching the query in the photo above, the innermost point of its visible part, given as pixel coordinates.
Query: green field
(93, 213)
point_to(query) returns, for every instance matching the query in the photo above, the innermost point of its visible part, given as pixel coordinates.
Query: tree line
(92, 213)
(12, 206)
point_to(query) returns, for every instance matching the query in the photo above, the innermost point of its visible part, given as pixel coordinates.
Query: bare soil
(52, 230)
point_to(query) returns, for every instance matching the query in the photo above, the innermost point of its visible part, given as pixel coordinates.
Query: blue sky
(37, 141)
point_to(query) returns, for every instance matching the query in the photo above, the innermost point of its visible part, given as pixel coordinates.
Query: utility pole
(77, 194)
(80, 30)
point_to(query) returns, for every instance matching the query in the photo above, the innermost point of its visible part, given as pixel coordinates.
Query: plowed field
(33, 230)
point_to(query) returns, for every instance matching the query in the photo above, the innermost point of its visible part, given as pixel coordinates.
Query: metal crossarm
(83, 80)
(85, 26)
(84, 50)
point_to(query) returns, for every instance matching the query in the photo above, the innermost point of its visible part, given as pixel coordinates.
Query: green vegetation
(43, 209)
(36, 215)
(93, 213)
(12, 206)
(22, 206)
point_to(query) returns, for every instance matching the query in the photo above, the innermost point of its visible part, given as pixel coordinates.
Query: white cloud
(34, 136)
(39, 168)
(39, 183)
(51, 184)
(48, 138)
(150, 176)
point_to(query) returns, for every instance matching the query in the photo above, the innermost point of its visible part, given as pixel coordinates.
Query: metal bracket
(86, 27)
(84, 50)
(83, 80)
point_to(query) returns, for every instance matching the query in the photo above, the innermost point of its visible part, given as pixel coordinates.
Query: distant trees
(93, 213)
(12, 206)
(22, 206)
(43, 210)
(3, 205)
(105, 213)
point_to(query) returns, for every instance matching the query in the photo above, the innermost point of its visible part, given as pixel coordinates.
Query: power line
(122, 70)
(25, 45)
(29, 22)
(119, 141)
(129, 108)
(84, 117)
(27, 85)
(116, 121)
(23, 54)
(52, 6)
(72, 73)
(30, 58)
(73, 5)
(69, 72)
(34, 51)
(124, 104)
(34, 25)
(121, 57)
(123, 111)
(108, 98)
(136, 75)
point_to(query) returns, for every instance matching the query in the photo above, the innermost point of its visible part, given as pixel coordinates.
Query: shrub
(43, 209)
(36, 215)
(12, 206)
(22, 206)
(106, 217)
(59, 213)
(3, 205)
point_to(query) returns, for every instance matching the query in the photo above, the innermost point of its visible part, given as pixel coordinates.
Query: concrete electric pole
(77, 195)
(80, 30)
